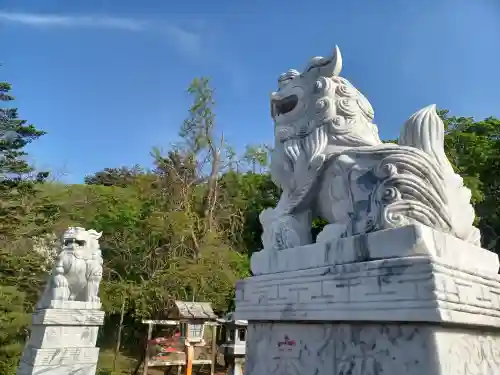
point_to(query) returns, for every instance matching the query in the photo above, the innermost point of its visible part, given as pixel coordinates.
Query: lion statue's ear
(96, 235)
(334, 67)
(326, 67)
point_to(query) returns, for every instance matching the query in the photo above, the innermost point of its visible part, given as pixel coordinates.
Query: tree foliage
(20, 270)
(123, 176)
(17, 177)
(473, 147)
(257, 156)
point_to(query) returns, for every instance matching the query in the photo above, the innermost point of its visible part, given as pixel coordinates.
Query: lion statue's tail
(425, 131)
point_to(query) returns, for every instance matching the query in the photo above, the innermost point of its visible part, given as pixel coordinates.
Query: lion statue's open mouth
(285, 105)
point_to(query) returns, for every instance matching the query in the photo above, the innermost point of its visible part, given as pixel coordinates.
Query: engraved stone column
(63, 339)
(409, 301)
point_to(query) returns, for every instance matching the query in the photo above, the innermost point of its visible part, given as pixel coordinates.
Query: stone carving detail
(472, 354)
(78, 270)
(329, 161)
(284, 349)
(342, 349)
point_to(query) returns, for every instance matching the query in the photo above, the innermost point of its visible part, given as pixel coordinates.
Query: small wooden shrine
(188, 321)
(192, 317)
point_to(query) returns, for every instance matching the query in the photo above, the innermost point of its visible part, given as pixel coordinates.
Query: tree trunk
(119, 338)
(212, 188)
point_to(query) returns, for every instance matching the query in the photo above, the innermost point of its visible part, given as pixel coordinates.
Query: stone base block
(407, 241)
(414, 289)
(75, 369)
(78, 305)
(64, 327)
(430, 306)
(63, 336)
(370, 349)
(68, 317)
(59, 356)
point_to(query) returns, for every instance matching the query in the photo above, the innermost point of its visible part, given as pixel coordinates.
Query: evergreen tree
(17, 178)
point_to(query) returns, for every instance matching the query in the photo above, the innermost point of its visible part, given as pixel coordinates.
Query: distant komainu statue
(78, 269)
(329, 161)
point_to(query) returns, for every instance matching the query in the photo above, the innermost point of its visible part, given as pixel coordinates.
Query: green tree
(21, 278)
(17, 177)
(200, 143)
(164, 236)
(14, 322)
(247, 195)
(21, 269)
(123, 176)
(473, 148)
(257, 156)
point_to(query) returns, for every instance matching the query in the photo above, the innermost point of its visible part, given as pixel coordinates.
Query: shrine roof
(195, 310)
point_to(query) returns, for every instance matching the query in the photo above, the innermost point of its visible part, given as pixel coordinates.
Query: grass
(126, 365)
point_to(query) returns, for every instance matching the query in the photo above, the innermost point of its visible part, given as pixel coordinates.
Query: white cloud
(190, 43)
(186, 41)
(55, 20)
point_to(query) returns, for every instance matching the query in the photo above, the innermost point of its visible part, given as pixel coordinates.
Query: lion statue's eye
(69, 241)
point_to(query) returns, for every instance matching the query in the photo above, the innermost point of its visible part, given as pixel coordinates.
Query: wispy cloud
(187, 41)
(55, 20)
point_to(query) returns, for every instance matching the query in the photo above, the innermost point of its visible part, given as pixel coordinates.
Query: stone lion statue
(330, 163)
(78, 269)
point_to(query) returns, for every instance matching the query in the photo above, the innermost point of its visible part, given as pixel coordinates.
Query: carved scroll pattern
(410, 190)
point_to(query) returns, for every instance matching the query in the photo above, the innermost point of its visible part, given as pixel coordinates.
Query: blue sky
(107, 79)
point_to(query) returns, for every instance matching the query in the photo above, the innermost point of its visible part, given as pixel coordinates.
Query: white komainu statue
(78, 269)
(329, 161)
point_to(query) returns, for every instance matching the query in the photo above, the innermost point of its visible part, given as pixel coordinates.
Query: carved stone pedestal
(406, 301)
(63, 339)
